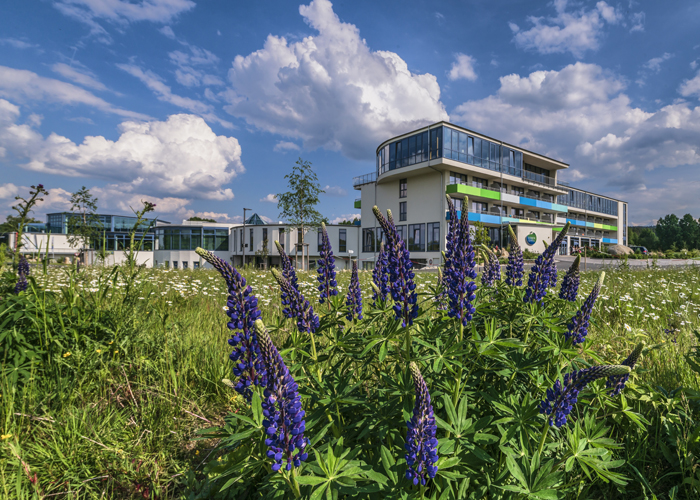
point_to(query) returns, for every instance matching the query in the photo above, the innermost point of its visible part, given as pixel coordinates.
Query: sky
(203, 107)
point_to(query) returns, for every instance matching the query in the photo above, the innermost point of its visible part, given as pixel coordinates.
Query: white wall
(543, 234)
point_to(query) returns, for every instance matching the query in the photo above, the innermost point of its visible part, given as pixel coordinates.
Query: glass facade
(342, 240)
(449, 143)
(416, 238)
(403, 211)
(433, 237)
(587, 201)
(182, 238)
(368, 239)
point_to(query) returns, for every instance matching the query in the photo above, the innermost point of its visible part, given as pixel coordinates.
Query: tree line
(670, 233)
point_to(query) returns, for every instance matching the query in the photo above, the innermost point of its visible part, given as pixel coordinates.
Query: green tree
(199, 219)
(690, 231)
(668, 231)
(23, 209)
(298, 205)
(83, 224)
(11, 225)
(646, 237)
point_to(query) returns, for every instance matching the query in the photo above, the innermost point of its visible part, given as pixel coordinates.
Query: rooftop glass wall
(185, 238)
(587, 201)
(58, 223)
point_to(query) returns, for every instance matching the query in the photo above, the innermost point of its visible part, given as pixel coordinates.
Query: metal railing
(542, 197)
(364, 179)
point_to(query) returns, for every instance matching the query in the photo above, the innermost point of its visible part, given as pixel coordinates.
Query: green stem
(455, 395)
(545, 430)
(293, 485)
(407, 333)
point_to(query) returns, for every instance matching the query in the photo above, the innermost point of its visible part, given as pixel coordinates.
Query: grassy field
(112, 386)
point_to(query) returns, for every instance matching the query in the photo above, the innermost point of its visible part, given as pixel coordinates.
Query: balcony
(358, 203)
(532, 200)
(361, 180)
(496, 218)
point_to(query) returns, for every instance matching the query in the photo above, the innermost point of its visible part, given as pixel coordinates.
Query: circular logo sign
(531, 239)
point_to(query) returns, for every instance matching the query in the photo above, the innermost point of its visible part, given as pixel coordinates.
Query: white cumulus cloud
(270, 198)
(284, 146)
(463, 67)
(691, 87)
(330, 89)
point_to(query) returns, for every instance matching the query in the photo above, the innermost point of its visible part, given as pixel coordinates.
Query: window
(403, 188)
(221, 240)
(235, 240)
(518, 191)
(497, 209)
(195, 265)
(434, 237)
(281, 237)
(458, 202)
(174, 264)
(241, 239)
(264, 240)
(401, 231)
(252, 247)
(416, 242)
(479, 182)
(479, 207)
(456, 178)
(319, 240)
(402, 211)
(342, 240)
(517, 212)
(368, 240)
(185, 264)
(533, 214)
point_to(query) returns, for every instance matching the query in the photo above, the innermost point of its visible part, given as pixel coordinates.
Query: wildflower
(514, 269)
(569, 285)
(326, 268)
(561, 398)
(5, 436)
(287, 268)
(403, 288)
(543, 273)
(460, 266)
(627, 327)
(380, 275)
(421, 443)
(492, 268)
(98, 351)
(617, 382)
(354, 297)
(22, 273)
(296, 306)
(65, 355)
(242, 310)
(284, 418)
(578, 327)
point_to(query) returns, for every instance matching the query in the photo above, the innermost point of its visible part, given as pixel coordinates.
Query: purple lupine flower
(21, 285)
(284, 418)
(460, 267)
(326, 269)
(569, 285)
(561, 398)
(380, 275)
(296, 306)
(22, 273)
(242, 310)
(617, 382)
(421, 443)
(287, 267)
(492, 268)
(354, 297)
(23, 266)
(578, 327)
(543, 273)
(403, 288)
(515, 268)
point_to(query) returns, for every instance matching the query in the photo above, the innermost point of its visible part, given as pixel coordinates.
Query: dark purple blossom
(578, 326)
(296, 306)
(284, 417)
(460, 266)
(326, 269)
(380, 275)
(492, 268)
(569, 285)
(515, 268)
(421, 443)
(561, 398)
(354, 297)
(403, 288)
(543, 273)
(617, 382)
(287, 267)
(242, 310)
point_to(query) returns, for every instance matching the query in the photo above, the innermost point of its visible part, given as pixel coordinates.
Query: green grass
(115, 414)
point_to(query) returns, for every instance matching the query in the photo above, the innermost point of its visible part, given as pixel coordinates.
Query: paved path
(564, 261)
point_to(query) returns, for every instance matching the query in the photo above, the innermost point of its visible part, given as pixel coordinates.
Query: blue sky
(203, 107)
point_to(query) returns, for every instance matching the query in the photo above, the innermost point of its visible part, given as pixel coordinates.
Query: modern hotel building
(504, 184)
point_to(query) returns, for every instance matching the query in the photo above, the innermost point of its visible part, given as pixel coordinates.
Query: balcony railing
(364, 179)
(541, 197)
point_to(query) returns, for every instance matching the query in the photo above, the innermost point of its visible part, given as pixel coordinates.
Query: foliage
(349, 223)
(23, 209)
(12, 223)
(200, 219)
(672, 233)
(83, 224)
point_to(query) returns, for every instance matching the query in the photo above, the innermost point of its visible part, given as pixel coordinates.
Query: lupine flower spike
(421, 443)
(515, 267)
(544, 273)
(354, 297)
(242, 310)
(569, 285)
(403, 288)
(22, 273)
(578, 327)
(287, 268)
(380, 275)
(326, 268)
(492, 268)
(460, 267)
(296, 306)
(561, 398)
(284, 418)
(617, 382)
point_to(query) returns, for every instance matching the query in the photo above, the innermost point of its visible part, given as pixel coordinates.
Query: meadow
(114, 388)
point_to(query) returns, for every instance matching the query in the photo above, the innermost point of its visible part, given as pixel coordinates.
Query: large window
(401, 232)
(242, 243)
(252, 246)
(585, 201)
(264, 239)
(281, 237)
(403, 211)
(403, 188)
(190, 239)
(368, 240)
(479, 207)
(319, 239)
(342, 240)
(479, 182)
(433, 237)
(416, 240)
(456, 178)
